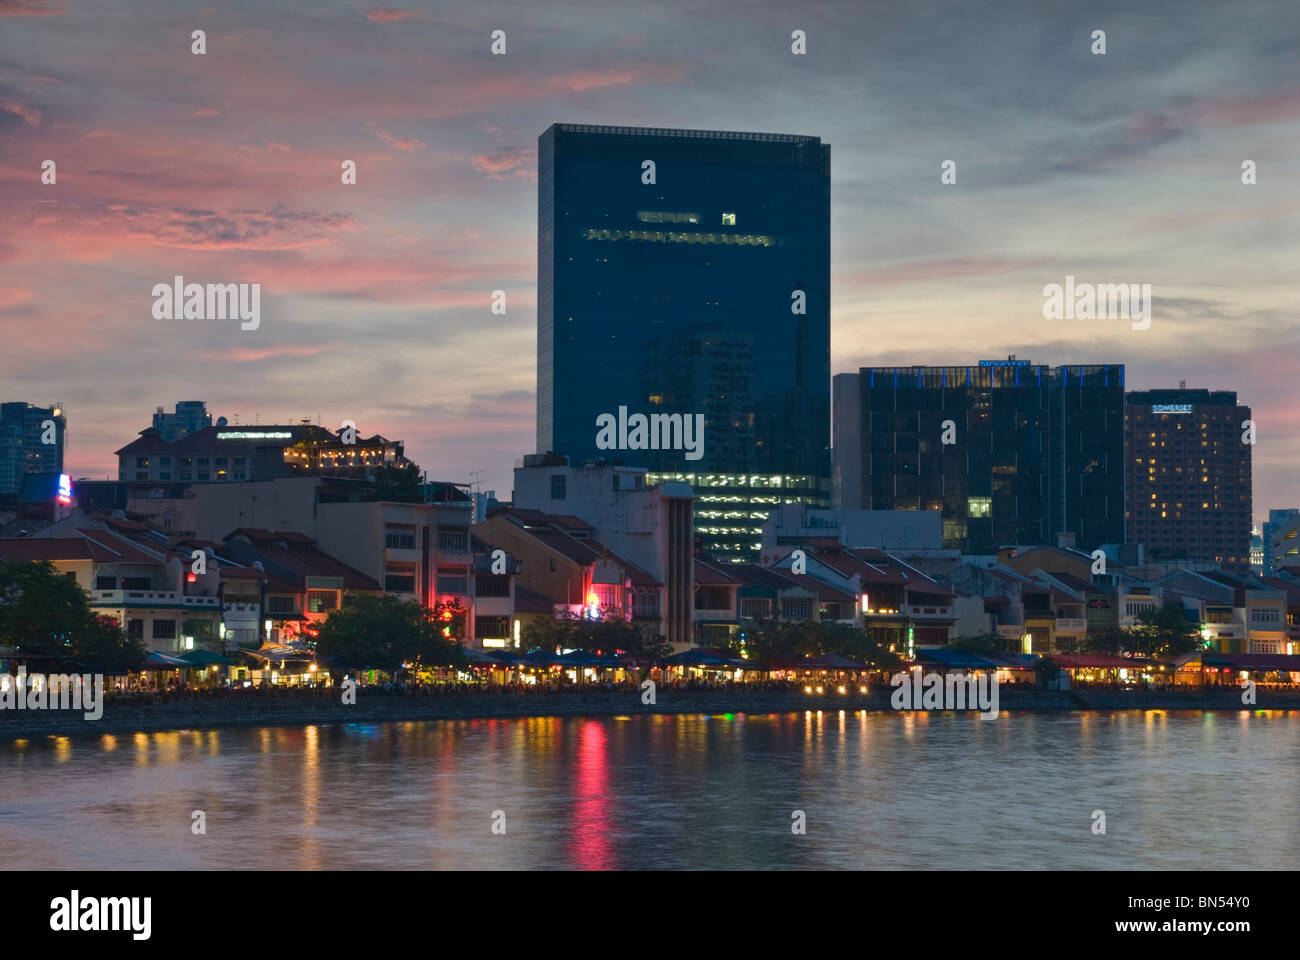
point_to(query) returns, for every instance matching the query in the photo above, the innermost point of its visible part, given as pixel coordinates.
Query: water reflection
(1180, 789)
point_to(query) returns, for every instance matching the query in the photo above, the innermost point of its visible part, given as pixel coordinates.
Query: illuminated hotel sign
(64, 495)
(1171, 408)
(1004, 363)
(255, 435)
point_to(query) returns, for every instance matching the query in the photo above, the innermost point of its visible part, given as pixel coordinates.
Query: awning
(1285, 663)
(833, 661)
(1097, 661)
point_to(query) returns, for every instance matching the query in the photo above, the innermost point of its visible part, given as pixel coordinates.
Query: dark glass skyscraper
(1036, 451)
(686, 273)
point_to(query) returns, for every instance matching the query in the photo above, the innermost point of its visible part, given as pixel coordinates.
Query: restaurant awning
(1286, 663)
(1097, 661)
(161, 661)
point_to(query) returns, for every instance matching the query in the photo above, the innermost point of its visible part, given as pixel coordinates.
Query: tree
(399, 483)
(1163, 631)
(610, 633)
(45, 613)
(386, 633)
(796, 639)
(1108, 640)
(993, 644)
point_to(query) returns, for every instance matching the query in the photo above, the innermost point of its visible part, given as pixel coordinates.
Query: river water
(877, 791)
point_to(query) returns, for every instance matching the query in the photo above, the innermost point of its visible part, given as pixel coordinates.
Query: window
(645, 604)
(606, 595)
(452, 541)
(105, 583)
(552, 564)
(451, 585)
(281, 605)
(492, 585)
(322, 601)
(164, 461)
(137, 583)
(135, 629)
(796, 609)
(728, 219)
(397, 539)
(558, 486)
(141, 462)
(755, 608)
(979, 507)
(492, 628)
(1265, 616)
(399, 583)
(164, 629)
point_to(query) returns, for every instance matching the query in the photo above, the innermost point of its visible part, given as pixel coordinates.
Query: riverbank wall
(271, 711)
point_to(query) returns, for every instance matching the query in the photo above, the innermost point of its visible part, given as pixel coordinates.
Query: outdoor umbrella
(205, 658)
(160, 661)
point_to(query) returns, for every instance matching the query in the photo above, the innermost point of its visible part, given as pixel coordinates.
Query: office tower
(31, 441)
(1281, 540)
(1188, 476)
(1033, 454)
(191, 416)
(684, 278)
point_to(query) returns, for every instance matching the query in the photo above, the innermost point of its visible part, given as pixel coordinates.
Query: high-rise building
(1189, 476)
(31, 441)
(1011, 453)
(684, 315)
(1281, 540)
(191, 416)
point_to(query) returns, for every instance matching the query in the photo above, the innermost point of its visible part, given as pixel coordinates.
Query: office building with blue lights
(1035, 453)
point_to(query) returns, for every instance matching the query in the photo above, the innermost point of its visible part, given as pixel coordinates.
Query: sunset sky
(375, 298)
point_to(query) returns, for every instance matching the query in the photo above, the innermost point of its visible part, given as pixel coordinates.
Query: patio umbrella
(205, 658)
(160, 661)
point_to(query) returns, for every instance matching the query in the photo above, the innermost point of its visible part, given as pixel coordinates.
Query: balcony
(140, 598)
(1071, 625)
(202, 603)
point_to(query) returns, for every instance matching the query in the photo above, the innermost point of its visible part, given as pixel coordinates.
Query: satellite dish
(222, 421)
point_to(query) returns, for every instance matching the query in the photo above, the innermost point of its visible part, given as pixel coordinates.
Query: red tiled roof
(101, 546)
(709, 575)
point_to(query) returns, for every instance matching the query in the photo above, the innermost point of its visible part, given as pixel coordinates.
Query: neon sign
(64, 495)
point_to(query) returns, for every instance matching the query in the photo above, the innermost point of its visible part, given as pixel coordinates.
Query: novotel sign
(255, 435)
(1004, 363)
(1171, 408)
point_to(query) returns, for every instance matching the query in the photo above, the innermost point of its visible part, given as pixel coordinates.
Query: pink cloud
(29, 8)
(249, 355)
(388, 15)
(31, 115)
(942, 270)
(592, 79)
(508, 163)
(397, 143)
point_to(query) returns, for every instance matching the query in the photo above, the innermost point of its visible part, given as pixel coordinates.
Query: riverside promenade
(245, 711)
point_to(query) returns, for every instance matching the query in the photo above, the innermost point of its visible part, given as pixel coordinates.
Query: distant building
(232, 454)
(1280, 540)
(191, 416)
(905, 532)
(1189, 476)
(1035, 451)
(24, 432)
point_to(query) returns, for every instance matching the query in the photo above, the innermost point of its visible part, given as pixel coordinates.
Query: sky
(225, 167)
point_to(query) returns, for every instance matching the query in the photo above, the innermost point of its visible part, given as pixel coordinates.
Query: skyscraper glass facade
(702, 296)
(1034, 451)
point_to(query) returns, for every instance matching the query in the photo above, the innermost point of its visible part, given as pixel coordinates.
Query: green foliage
(399, 483)
(609, 634)
(384, 633)
(796, 639)
(1110, 640)
(992, 644)
(1164, 631)
(44, 613)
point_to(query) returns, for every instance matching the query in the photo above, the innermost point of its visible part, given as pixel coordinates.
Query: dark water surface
(879, 791)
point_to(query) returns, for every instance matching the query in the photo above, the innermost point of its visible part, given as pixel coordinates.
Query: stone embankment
(378, 708)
